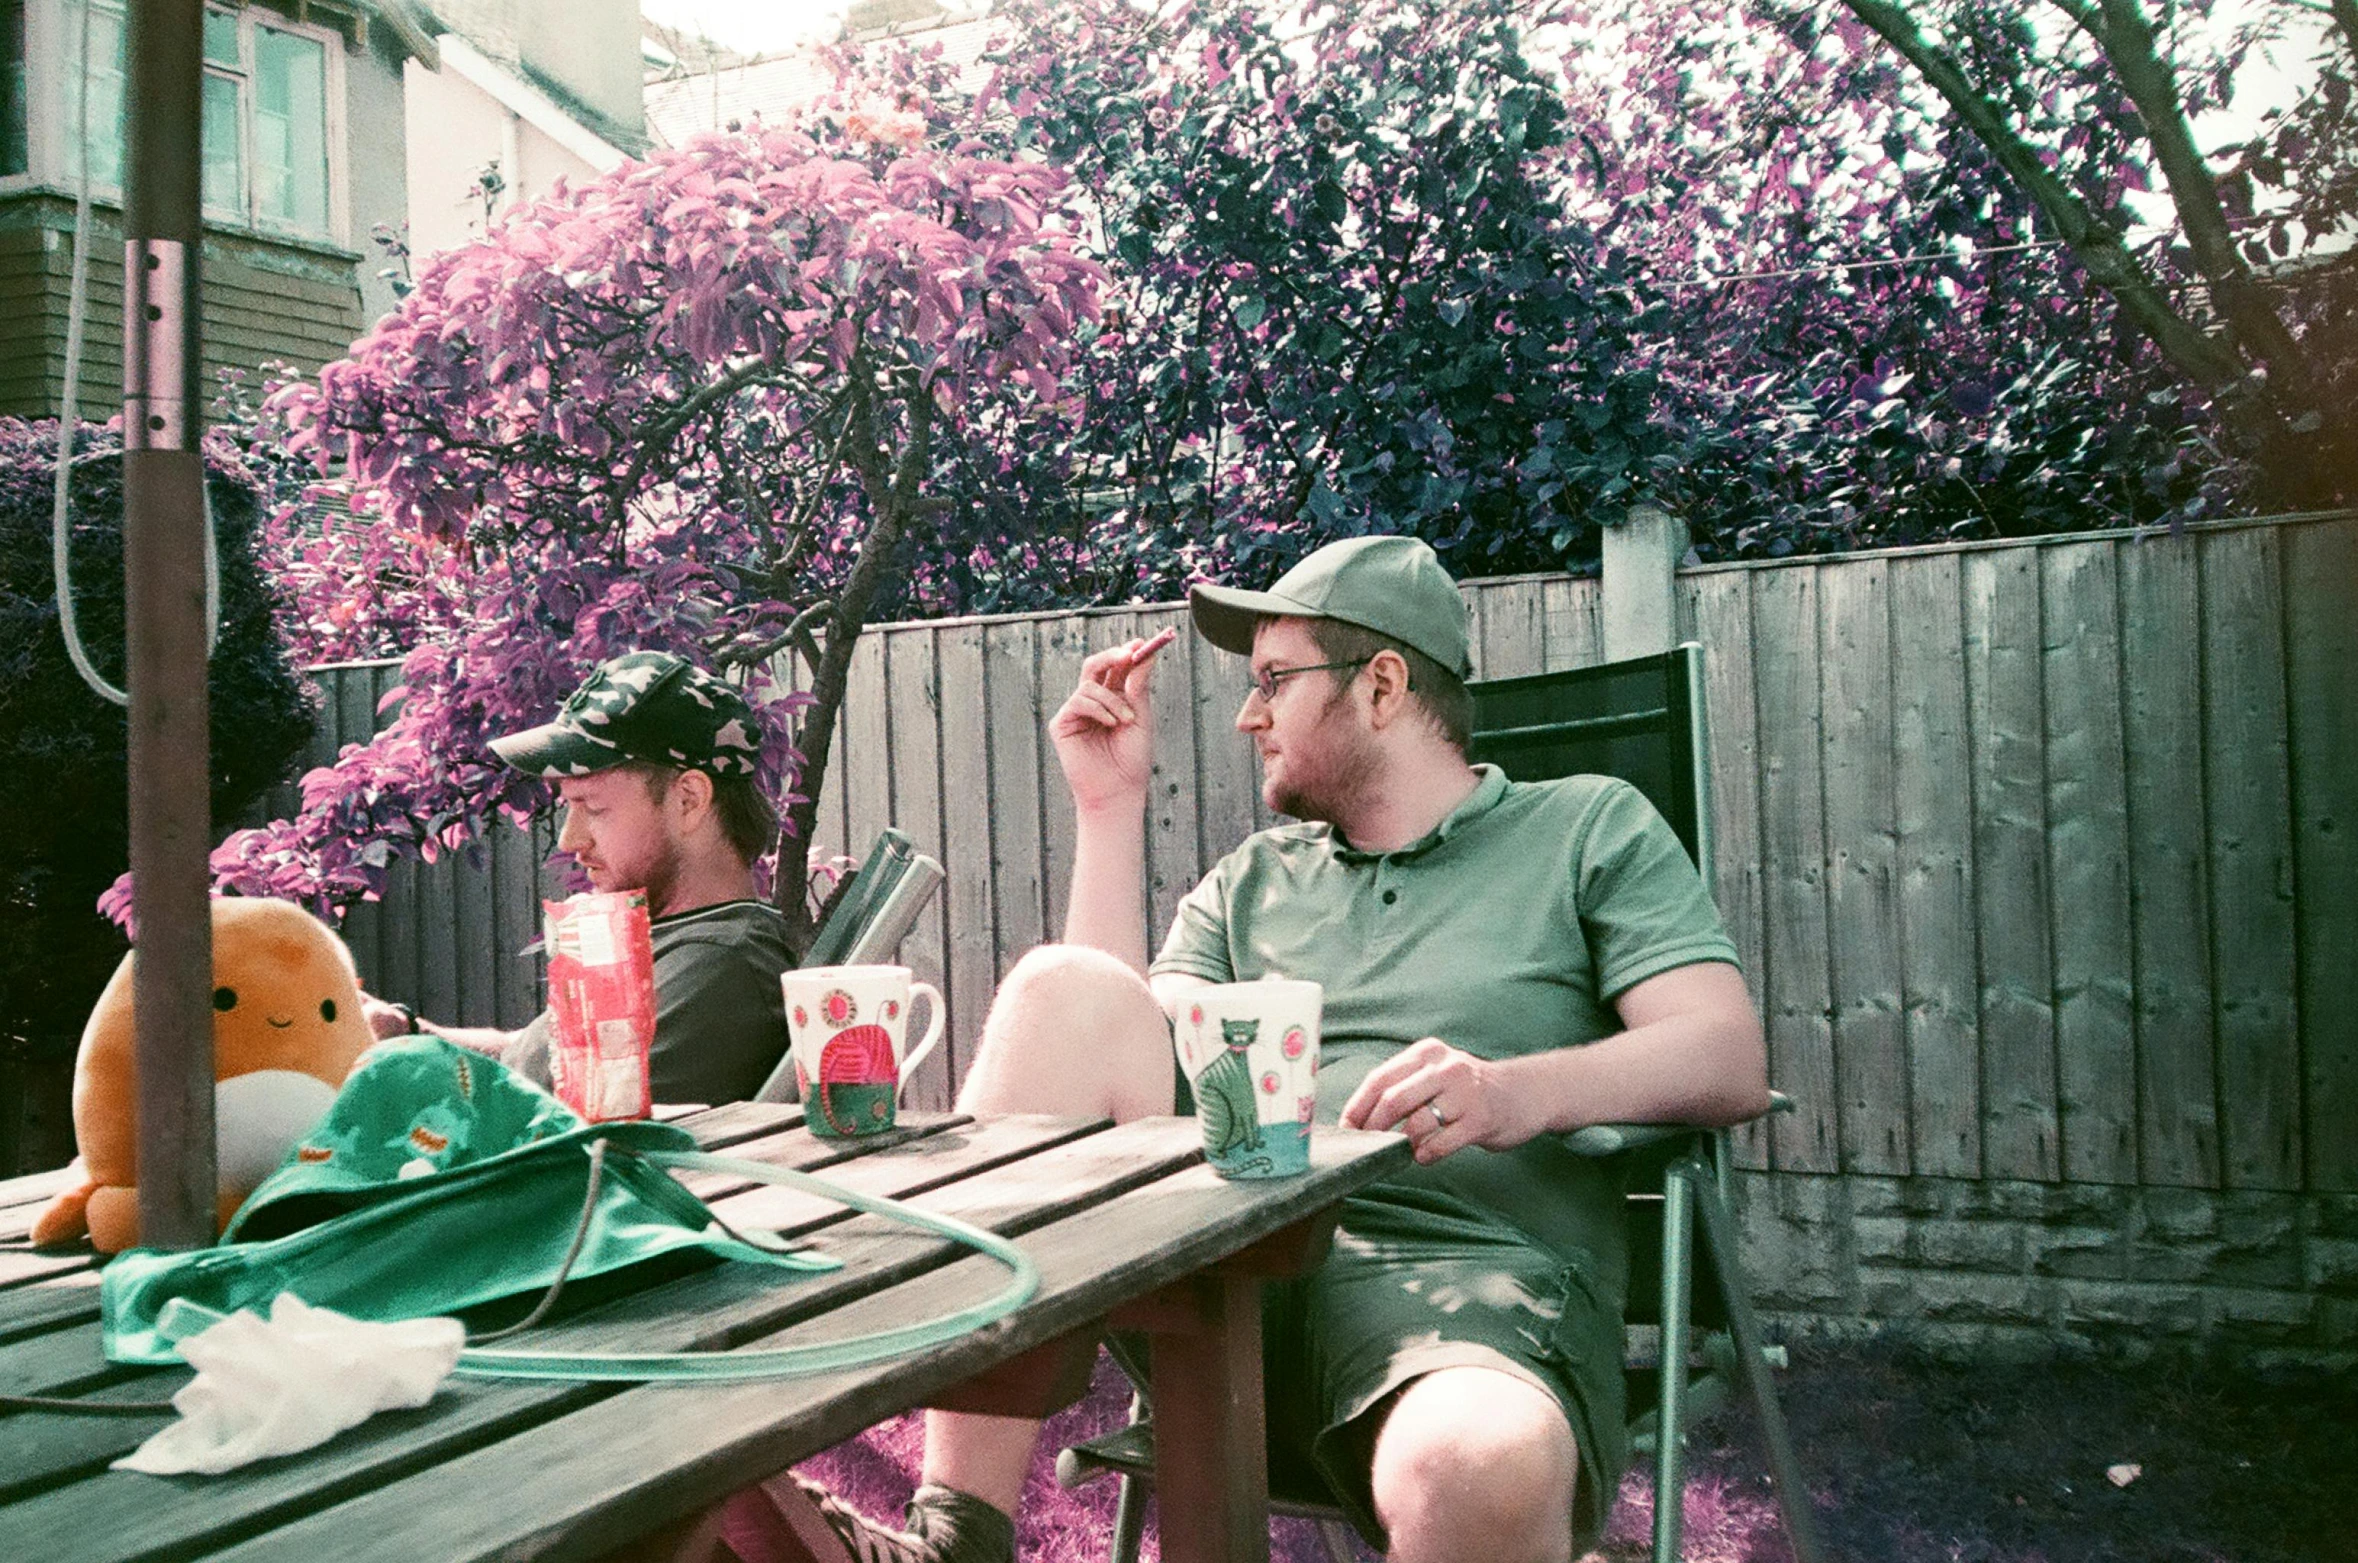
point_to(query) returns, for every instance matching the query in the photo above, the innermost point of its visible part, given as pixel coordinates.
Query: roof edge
(530, 104)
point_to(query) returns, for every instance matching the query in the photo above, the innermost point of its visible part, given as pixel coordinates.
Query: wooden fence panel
(966, 830)
(2087, 864)
(1721, 613)
(2321, 685)
(1940, 998)
(1862, 838)
(2002, 642)
(1174, 846)
(1510, 632)
(1020, 905)
(1065, 643)
(2248, 795)
(1571, 622)
(1228, 778)
(915, 699)
(352, 707)
(1799, 1004)
(865, 758)
(2037, 855)
(2169, 863)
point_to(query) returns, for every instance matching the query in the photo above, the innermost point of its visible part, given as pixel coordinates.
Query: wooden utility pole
(164, 611)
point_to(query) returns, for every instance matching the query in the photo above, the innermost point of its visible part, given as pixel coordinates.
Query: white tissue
(272, 1387)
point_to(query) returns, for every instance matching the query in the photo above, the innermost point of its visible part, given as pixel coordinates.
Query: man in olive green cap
(1502, 963)
(653, 759)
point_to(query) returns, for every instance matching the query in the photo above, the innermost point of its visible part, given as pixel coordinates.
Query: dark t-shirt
(720, 1018)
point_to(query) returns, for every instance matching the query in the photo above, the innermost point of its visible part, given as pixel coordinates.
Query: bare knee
(1472, 1453)
(1072, 1030)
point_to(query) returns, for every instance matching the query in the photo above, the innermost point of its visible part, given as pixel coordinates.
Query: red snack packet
(602, 995)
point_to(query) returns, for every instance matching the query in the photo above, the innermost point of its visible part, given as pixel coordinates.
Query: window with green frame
(265, 115)
(15, 146)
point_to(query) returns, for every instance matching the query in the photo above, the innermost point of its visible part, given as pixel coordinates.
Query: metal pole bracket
(155, 345)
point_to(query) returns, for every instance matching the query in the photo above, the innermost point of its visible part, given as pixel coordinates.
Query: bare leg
(1075, 1031)
(1475, 1466)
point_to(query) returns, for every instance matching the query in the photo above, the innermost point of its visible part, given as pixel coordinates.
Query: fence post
(1641, 558)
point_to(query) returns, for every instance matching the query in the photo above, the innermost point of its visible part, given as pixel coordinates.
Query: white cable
(70, 414)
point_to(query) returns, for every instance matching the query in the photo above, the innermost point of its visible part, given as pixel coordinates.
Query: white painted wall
(455, 127)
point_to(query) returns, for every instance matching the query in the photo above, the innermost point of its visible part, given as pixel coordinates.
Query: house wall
(264, 302)
(455, 129)
(374, 114)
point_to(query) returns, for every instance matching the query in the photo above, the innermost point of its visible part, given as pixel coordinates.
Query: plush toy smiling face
(284, 996)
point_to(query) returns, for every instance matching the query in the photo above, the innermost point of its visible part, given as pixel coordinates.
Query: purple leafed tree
(693, 405)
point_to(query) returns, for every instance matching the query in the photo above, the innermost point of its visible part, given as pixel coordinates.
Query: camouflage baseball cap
(643, 705)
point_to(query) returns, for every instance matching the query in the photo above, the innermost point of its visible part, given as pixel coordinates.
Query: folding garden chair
(1694, 1337)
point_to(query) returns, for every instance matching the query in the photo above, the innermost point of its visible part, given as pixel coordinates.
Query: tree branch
(2128, 42)
(2096, 246)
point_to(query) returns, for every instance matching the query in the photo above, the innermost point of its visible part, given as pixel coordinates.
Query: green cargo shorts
(1418, 1282)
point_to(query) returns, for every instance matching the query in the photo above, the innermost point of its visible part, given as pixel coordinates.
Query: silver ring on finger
(1440, 1121)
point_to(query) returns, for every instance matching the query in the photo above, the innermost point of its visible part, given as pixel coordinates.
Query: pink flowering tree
(695, 405)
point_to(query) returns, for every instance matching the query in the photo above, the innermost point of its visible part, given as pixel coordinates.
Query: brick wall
(2019, 1269)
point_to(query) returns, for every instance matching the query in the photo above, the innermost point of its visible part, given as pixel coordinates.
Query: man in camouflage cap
(653, 759)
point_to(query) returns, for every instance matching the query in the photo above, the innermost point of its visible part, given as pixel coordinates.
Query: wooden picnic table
(1125, 1222)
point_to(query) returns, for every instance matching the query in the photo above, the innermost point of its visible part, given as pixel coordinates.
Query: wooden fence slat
(2003, 699)
(1569, 624)
(1065, 643)
(400, 944)
(1227, 776)
(865, 761)
(2169, 862)
(966, 827)
(2321, 681)
(1174, 848)
(1940, 1000)
(1870, 1063)
(515, 858)
(2087, 865)
(917, 811)
(1792, 806)
(1510, 629)
(351, 718)
(1011, 653)
(474, 935)
(1721, 613)
(2247, 796)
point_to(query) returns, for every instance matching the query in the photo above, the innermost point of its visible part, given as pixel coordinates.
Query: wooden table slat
(1066, 1190)
(34, 1188)
(709, 1310)
(588, 1471)
(713, 1309)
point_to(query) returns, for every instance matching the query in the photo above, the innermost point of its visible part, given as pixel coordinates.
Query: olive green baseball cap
(643, 705)
(1392, 585)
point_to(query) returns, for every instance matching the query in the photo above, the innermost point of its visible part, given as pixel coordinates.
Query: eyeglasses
(1266, 680)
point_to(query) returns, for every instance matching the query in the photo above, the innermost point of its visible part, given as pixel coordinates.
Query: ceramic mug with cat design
(1250, 1054)
(849, 1028)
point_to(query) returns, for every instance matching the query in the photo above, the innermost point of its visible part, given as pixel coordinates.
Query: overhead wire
(69, 416)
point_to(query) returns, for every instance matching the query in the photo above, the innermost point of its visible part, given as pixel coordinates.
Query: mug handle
(933, 1032)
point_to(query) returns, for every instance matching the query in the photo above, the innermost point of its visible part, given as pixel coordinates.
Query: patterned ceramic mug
(849, 1027)
(1250, 1052)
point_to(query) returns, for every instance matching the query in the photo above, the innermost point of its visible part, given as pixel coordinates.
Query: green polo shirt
(1507, 931)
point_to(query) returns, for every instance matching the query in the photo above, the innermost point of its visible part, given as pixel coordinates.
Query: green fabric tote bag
(437, 1180)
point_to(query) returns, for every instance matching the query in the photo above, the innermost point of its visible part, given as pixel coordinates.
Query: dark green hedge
(63, 826)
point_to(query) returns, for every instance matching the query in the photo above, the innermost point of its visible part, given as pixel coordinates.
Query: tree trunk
(893, 497)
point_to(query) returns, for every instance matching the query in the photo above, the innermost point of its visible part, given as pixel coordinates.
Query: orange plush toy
(287, 1027)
